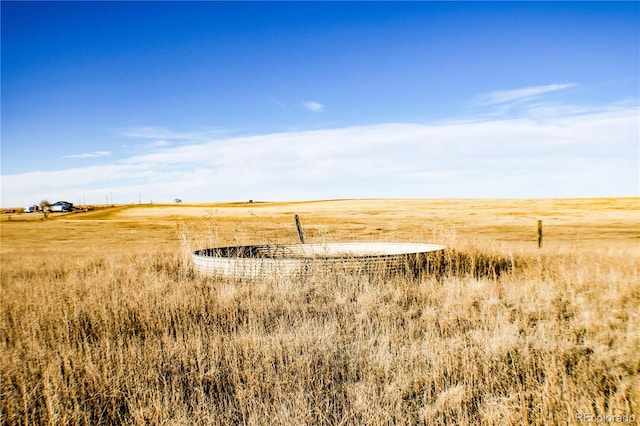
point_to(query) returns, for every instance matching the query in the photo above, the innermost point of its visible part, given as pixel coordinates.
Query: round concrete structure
(288, 259)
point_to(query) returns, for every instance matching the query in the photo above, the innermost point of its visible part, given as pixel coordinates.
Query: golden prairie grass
(105, 321)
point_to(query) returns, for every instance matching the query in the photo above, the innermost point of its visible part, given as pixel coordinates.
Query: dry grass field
(103, 319)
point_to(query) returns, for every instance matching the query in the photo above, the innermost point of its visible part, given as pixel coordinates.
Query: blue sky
(221, 101)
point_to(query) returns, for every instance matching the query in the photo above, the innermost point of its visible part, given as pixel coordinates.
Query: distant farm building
(32, 209)
(61, 206)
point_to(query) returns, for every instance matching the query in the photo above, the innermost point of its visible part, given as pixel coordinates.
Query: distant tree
(178, 200)
(44, 206)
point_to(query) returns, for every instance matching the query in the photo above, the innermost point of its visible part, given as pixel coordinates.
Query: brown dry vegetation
(103, 320)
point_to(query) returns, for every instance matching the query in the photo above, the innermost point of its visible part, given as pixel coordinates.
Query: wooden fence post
(300, 235)
(539, 233)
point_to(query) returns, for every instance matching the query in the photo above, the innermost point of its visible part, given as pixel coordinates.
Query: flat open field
(103, 319)
(568, 224)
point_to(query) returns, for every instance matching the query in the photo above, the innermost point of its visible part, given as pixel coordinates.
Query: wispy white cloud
(89, 154)
(281, 105)
(157, 143)
(591, 153)
(523, 94)
(313, 106)
(163, 134)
